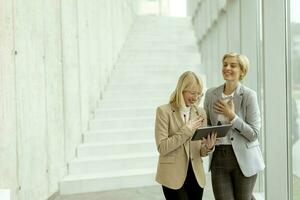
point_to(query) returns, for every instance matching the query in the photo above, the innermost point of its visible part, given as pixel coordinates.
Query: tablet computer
(221, 130)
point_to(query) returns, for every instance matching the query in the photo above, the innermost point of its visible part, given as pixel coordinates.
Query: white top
(224, 120)
(185, 114)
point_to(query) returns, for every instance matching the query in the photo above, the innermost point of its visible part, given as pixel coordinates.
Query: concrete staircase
(119, 149)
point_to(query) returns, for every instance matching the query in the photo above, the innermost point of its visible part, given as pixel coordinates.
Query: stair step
(138, 103)
(124, 135)
(166, 59)
(141, 39)
(119, 149)
(152, 67)
(174, 62)
(116, 148)
(149, 81)
(80, 183)
(158, 66)
(133, 72)
(135, 41)
(141, 57)
(119, 123)
(129, 111)
(188, 49)
(161, 48)
(120, 86)
(163, 94)
(113, 163)
(154, 31)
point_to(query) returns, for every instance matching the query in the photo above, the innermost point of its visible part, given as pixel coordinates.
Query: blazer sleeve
(252, 124)
(164, 142)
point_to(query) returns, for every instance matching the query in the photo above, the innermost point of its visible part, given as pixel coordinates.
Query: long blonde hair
(187, 81)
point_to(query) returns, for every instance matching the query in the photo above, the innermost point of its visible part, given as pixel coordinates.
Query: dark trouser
(189, 191)
(228, 181)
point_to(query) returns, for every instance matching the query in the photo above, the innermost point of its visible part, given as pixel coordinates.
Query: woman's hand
(195, 123)
(210, 141)
(227, 109)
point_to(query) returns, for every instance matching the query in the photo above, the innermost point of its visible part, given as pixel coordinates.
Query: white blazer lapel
(238, 98)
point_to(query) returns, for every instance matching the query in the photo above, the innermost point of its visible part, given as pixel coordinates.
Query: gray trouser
(228, 181)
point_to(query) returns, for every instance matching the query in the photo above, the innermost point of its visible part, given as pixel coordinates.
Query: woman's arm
(251, 126)
(208, 144)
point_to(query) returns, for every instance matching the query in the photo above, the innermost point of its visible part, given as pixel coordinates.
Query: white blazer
(245, 129)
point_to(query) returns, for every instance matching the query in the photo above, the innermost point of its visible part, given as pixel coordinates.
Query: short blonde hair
(243, 62)
(186, 82)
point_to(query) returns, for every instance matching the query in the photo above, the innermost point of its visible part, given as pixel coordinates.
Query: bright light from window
(174, 8)
(177, 8)
(295, 14)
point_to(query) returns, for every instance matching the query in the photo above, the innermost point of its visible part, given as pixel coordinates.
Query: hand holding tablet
(221, 130)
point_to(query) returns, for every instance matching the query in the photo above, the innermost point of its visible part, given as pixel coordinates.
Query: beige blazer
(173, 144)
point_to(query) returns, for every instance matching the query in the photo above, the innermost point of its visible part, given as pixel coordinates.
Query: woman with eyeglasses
(180, 168)
(237, 158)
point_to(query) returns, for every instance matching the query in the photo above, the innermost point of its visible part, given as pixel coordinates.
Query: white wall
(56, 57)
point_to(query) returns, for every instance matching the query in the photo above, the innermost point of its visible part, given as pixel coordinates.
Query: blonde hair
(243, 62)
(186, 82)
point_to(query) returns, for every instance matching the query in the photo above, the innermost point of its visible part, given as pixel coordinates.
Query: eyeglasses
(194, 93)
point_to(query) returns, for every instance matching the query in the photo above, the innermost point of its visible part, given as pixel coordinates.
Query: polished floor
(144, 193)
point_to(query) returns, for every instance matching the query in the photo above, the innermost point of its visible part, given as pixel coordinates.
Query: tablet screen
(221, 130)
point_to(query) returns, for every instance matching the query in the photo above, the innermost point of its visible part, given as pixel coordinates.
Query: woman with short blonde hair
(236, 159)
(242, 60)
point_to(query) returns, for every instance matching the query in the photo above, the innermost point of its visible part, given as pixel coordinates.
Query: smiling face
(191, 96)
(188, 90)
(231, 69)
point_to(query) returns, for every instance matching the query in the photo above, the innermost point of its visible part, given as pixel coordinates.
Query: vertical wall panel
(222, 35)
(54, 93)
(105, 42)
(249, 39)
(275, 89)
(31, 100)
(93, 10)
(216, 65)
(71, 79)
(233, 25)
(8, 136)
(85, 57)
(109, 36)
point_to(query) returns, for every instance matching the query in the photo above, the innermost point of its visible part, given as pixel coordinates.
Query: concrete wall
(56, 57)
(226, 26)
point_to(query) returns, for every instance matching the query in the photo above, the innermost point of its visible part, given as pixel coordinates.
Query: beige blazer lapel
(180, 123)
